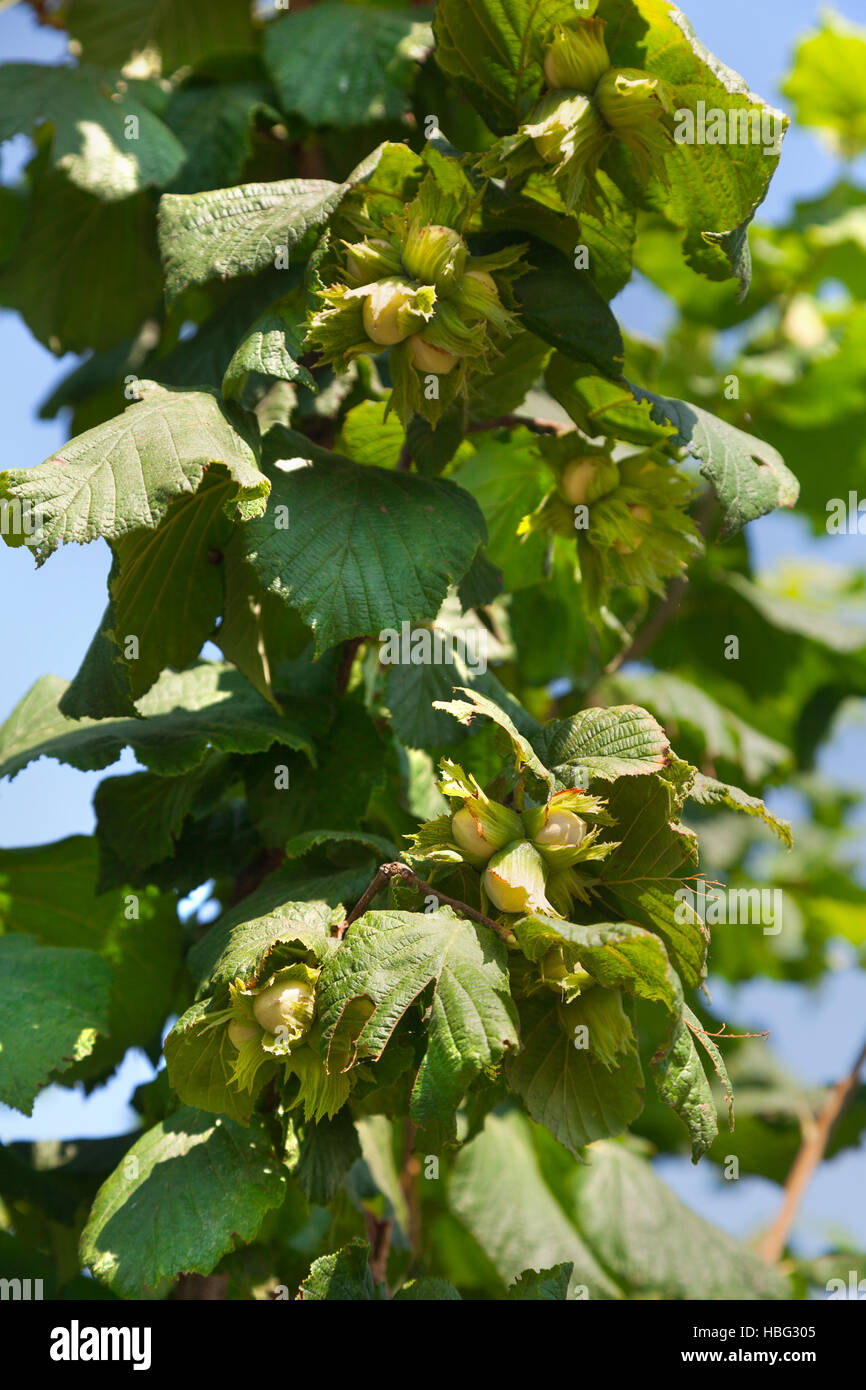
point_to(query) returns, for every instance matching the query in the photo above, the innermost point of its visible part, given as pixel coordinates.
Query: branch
(810, 1154)
(248, 880)
(379, 1233)
(651, 630)
(201, 1288)
(384, 875)
(530, 422)
(347, 660)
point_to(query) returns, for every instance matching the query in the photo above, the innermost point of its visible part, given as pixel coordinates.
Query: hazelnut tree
(354, 408)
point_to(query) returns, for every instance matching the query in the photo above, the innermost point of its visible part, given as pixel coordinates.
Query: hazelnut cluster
(410, 286)
(587, 106)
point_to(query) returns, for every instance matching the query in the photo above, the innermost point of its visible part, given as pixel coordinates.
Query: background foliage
(197, 557)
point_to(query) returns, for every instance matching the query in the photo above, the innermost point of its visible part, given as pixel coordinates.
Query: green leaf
(682, 1084)
(370, 435)
(720, 733)
(200, 1059)
(139, 816)
(209, 706)
(600, 406)
(706, 791)
(204, 358)
(509, 738)
(123, 475)
(326, 1153)
(417, 696)
(240, 942)
(567, 1088)
(167, 588)
(563, 306)
(238, 231)
(343, 1277)
(376, 1133)
(749, 477)
(386, 961)
(53, 1004)
(622, 741)
(300, 845)
(543, 1286)
(387, 554)
(809, 613)
(323, 796)
(372, 54)
(77, 257)
(104, 139)
(168, 1213)
(427, 1290)
(508, 481)
(50, 892)
(710, 190)
(168, 38)
(494, 50)
(499, 1192)
(12, 213)
(517, 369)
(656, 1245)
(258, 631)
(272, 347)
(100, 688)
(619, 955)
(655, 857)
(213, 124)
(828, 83)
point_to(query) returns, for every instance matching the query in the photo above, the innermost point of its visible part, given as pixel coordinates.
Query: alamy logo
(855, 1289)
(424, 646)
(846, 517)
(739, 126)
(735, 906)
(20, 1290)
(76, 1343)
(23, 519)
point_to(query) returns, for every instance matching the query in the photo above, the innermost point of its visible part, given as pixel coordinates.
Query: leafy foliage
(359, 411)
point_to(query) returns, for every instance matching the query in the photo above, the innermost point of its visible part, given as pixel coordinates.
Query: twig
(409, 1177)
(347, 661)
(379, 1233)
(723, 1032)
(386, 872)
(201, 1288)
(651, 630)
(530, 422)
(248, 880)
(404, 462)
(810, 1154)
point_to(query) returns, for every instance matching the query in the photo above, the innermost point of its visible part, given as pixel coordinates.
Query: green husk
(578, 56)
(609, 1030)
(636, 107)
(514, 879)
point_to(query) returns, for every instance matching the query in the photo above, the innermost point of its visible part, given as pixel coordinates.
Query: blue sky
(50, 614)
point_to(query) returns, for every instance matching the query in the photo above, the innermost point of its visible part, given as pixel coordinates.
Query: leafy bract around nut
(514, 879)
(628, 517)
(565, 829)
(577, 56)
(637, 109)
(411, 285)
(520, 853)
(588, 107)
(608, 1031)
